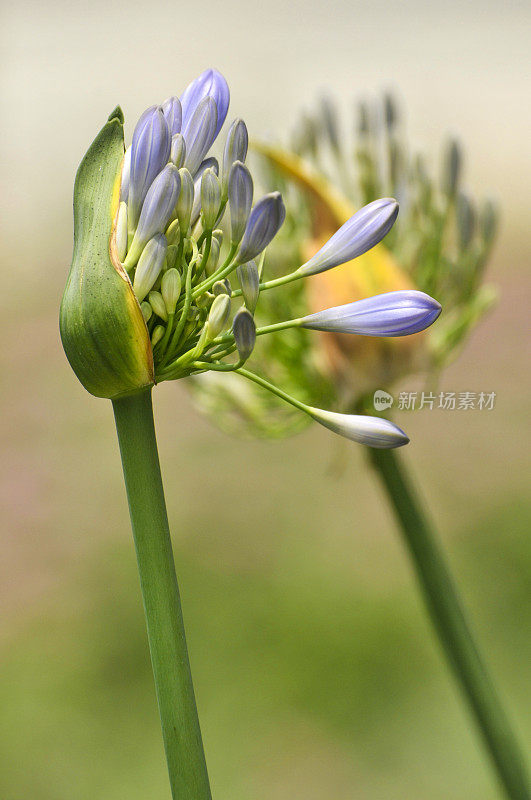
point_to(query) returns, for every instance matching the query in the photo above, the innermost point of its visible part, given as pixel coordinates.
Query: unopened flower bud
(240, 194)
(330, 122)
(185, 201)
(170, 289)
(157, 335)
(158, 305)
(244, 331)
(218, 316)
(171, 108)
(488, 221)
(362, 231)
(221, 287)
(210, 83)
(235, 149)
(250, 284)
(156, 212)
(372, 431)
(146, 310)
(213, 256)
(173, 232)
(178, 150)
(149, 266)
(264, 222)
(150, 151)
(398, 313)
(200, 133)
(210, 198)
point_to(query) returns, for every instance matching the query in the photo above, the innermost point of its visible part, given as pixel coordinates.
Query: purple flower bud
(235, 148)
(149, 154)
(185, 201)
(362, 231)
(171, 108)
(240, 194)
(156, 211)
(372, 431)
(264, 222)
(244, 331)
(391, 314)
(210, 83)
(200, 134)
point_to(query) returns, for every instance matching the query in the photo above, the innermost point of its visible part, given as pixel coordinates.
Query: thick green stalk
(449, 619)
(160, 593)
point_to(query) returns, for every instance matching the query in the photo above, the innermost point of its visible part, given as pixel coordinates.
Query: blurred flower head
(439, 247)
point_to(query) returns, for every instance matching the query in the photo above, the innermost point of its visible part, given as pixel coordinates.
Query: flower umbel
(164, 259)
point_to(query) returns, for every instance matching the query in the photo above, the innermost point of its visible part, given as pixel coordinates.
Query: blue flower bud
(150, 151)
(178, 150)
(200, 133)
(171, 108)
(372, 431)
(149, 266)
(240, 194)
(361, 232)
(244, 331)
(210, 83)
(210, 198)
(264, 222)
(213, 258)
(250, 284)
(156, 211)
(235, 148)
(391, 314)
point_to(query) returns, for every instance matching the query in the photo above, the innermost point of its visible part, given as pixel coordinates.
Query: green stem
(448, 617)
(160, 592)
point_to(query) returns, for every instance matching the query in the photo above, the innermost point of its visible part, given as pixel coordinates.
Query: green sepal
(102, 328)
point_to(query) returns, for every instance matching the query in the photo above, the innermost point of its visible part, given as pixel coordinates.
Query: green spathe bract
(102, 328)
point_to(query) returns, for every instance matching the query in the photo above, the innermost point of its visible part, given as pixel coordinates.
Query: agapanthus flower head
(167, 272)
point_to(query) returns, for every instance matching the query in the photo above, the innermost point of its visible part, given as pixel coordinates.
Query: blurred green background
(317, 674)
